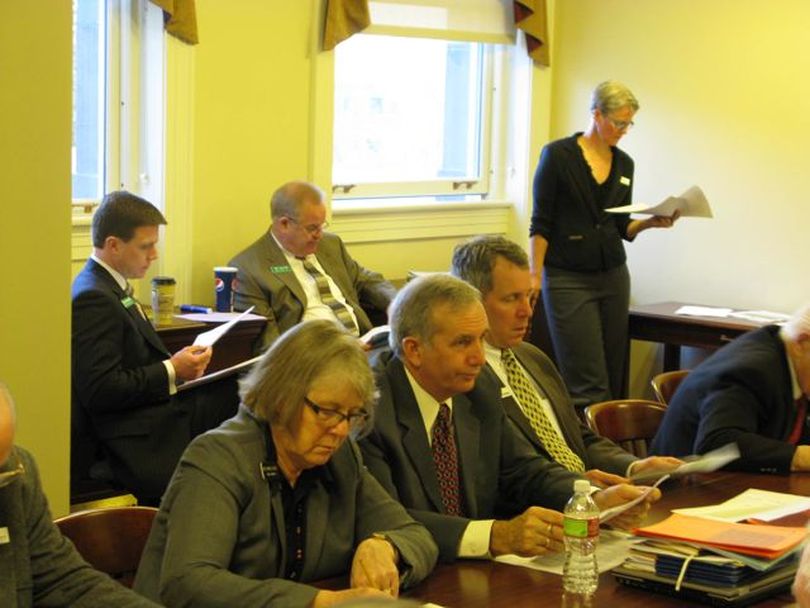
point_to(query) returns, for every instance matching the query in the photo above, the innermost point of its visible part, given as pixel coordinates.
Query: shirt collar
(428, 405)
(119, 278)
(291, 257)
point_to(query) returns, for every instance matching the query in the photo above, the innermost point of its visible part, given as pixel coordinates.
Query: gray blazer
(501, 474)
(266, 281)
(596, 452)
(39, 566)
(220, 537)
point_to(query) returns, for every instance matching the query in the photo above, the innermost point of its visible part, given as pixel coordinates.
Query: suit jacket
(220, 536)
(501, 474)
(742, 393)
(596, 452)
(120, 391)
(39, 566)
(266, 281)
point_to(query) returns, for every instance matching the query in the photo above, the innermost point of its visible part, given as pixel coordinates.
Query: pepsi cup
(224, 283)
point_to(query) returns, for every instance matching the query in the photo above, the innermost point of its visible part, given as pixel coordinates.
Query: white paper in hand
(209, 338)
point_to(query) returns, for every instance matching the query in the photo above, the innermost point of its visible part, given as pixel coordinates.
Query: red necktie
(798, 426)
(446, 460)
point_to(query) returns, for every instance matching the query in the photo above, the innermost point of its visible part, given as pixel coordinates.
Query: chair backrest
(665, 384)
(632, 423)
(111, 540)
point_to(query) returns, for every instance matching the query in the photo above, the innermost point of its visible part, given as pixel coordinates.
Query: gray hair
(287, 200)
(411, 313)
(610, 96)
(474, 260)
(276, 387)
(798, 326)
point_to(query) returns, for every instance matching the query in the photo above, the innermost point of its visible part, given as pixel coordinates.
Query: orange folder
(764, 541)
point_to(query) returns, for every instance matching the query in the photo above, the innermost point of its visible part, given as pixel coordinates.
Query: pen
(194, 308)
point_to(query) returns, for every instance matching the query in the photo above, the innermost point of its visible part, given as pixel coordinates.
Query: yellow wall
(725, 103)
(35, 110)
(251, 123)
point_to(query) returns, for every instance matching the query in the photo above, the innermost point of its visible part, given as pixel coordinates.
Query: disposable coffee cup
(224, 284)
(163, 300)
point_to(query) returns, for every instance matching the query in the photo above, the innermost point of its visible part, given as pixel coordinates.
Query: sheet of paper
(612, 549)
(766, 317)
(706, 463)
(217, 317)
(703, 311)
(209, 338)
(751, 504)
(608, 514)
(691, 203)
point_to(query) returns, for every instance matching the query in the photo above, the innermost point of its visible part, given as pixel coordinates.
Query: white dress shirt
(475, 540)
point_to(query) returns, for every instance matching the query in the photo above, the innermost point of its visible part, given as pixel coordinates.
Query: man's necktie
(446, 460)
(322, 283)
(529, 399)
(798, 425)
(130, 291)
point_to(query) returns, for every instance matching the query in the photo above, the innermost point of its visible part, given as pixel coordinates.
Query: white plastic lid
(582, 486)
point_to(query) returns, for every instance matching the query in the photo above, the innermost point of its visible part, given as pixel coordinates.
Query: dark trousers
(587, 315)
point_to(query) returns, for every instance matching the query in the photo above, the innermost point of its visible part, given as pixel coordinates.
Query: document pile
(714, 561)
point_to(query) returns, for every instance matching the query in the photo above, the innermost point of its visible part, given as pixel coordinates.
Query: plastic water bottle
(581, 530)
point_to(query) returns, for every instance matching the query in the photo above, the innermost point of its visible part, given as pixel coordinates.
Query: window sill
(368, 222)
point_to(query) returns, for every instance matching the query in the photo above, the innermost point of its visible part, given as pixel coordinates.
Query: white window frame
(479, 187)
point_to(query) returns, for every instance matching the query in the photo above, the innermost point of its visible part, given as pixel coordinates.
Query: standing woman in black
(577, 255)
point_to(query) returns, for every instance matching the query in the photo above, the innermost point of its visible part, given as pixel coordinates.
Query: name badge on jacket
(280, 269)
(624, 181)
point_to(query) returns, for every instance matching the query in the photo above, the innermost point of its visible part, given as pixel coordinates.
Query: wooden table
(485, 584)
(232, 348)
(659, 323)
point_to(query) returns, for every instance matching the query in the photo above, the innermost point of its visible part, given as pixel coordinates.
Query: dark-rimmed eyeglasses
(9, 477)
(311, 228)
(621, 125)
(331, 417)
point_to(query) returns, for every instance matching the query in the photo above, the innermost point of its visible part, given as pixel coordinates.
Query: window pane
(87, 153)
(406, 110)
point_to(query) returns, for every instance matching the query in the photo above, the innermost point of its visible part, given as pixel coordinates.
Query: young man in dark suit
(442, 445)
(124, 380)
(752, 391)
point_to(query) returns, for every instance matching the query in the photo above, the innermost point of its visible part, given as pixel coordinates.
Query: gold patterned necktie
(339, 309)
(130, 291)
(529, 399)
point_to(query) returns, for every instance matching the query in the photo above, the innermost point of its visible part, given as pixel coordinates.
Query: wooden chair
(665, 384)
(632, 423)
(111, 540)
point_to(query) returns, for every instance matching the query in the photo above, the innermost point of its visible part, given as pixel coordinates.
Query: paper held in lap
(208, 338)
(692, 203)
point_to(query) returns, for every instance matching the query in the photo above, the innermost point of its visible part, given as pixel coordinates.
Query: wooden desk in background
(659, 323)
(487, 584)
(232, 348)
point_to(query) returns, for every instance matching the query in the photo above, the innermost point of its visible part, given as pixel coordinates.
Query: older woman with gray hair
(277, 497)
(576, 249)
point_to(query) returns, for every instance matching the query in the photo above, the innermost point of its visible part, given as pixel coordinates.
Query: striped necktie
(130, 291)
(530, 402)
(339, 309)
(445, 457)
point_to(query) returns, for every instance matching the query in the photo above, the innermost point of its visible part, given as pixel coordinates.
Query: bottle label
(581, 528)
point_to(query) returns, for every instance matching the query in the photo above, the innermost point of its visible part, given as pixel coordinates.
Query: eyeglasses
(312, 228)
(621, 125)
(331, 418)
(9, 476)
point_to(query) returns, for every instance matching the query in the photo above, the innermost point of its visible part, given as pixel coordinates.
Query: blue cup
(224, 284)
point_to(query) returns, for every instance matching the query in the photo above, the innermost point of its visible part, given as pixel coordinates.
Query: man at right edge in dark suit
(442, 445)
(125, 411)
(540, 406)
(752, 391)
